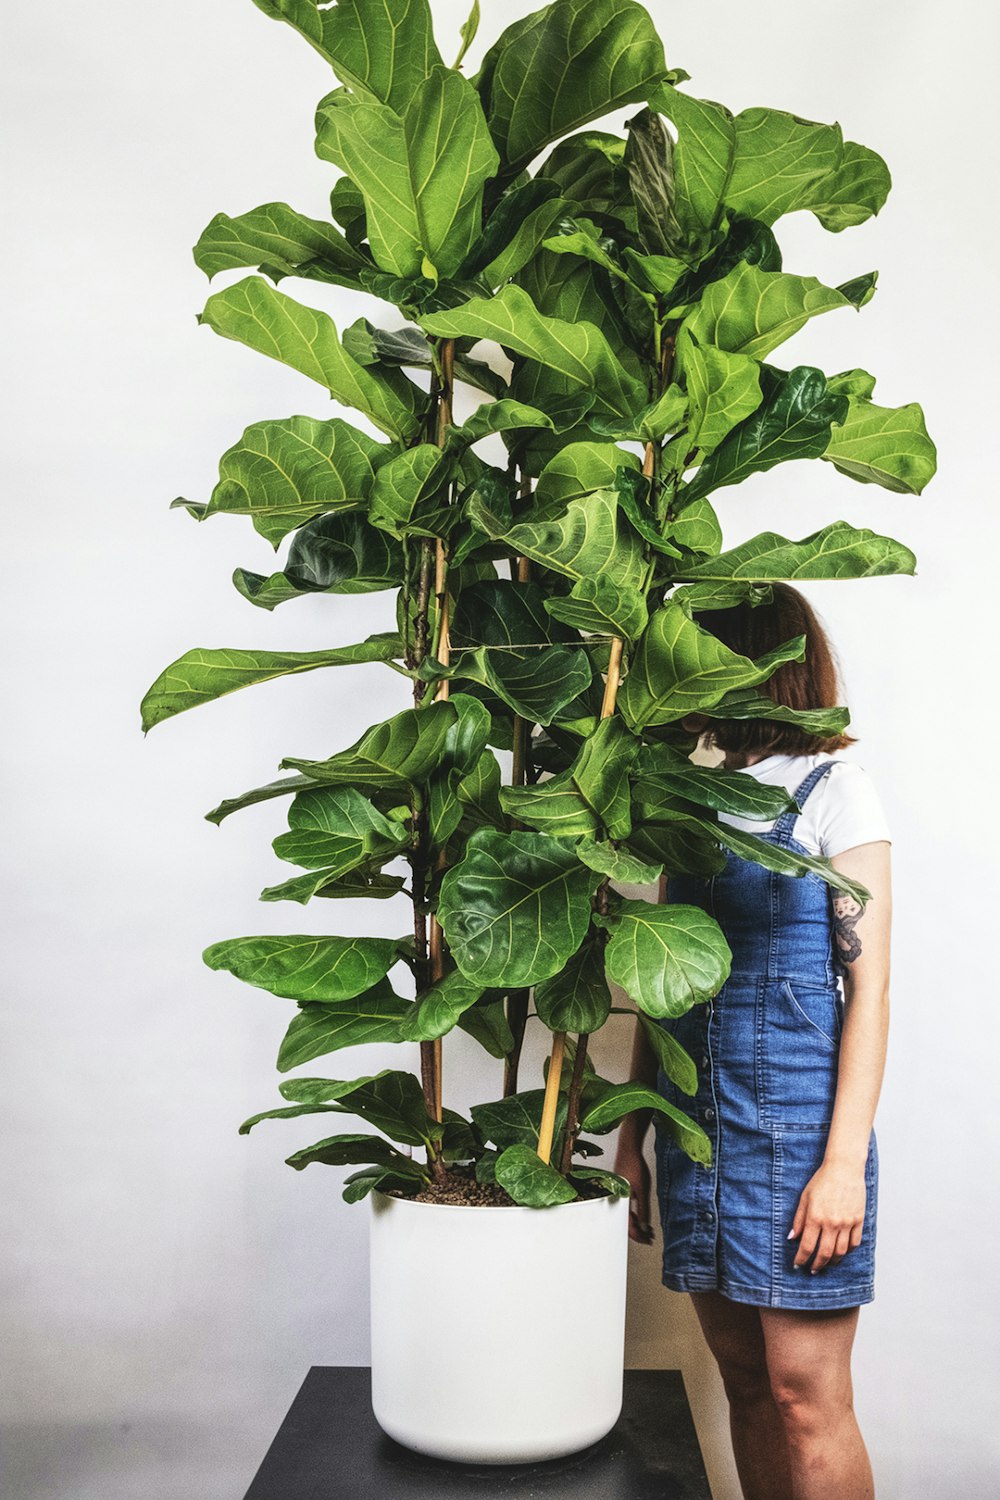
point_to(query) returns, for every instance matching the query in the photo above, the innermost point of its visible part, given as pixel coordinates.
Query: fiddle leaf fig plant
(616, 303)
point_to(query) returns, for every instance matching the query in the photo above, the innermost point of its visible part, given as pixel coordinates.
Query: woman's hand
(631, 1164)
(830, 1215)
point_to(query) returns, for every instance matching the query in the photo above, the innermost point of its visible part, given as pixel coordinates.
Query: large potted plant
(543, 614)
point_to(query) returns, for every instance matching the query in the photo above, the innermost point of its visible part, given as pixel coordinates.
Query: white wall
(166, 1283)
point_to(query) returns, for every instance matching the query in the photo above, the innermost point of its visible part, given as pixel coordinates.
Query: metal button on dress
(705, 1059)
(710, 1113)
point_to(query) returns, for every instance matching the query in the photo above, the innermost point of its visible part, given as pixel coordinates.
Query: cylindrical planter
(498, 1334)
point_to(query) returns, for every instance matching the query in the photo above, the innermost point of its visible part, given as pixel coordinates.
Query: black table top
(330, 1447)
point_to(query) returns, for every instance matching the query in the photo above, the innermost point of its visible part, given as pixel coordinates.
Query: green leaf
(336, 554)
(537, 684)
(285, 242)
(680, 668)
(702, 157)
(579, 468)
(516, 1119)
(723, 389)
(883, 445)
(409, 491)
(336, 826)
(255, 314)
(391, 1101)
(853, 192)
(793, 421)
(361, 881)
(281, 474)
(837, 551)
(649, 156)
(697, 528)
(747, 704)
(577, 998)
(499, 416)
(384, 50)
(526, 241)
(395, 753)
(579, 352)
(467, 31)
(852, 383)
(531, 1182)
(199, 675)
(696, 597)
(358, 1186)
(486, 1023)
(615, 1186)
(778, 162)
(786, 861)
(348, 1150)
(421, 170)
(570, 62)
(410, 347)
(751, 311)
(621, 1099)
(675, 1061)
(284, 787)
(292, 1112)
(599, 605)
(666, 958)
(316, 969)
(591, 796)
(710, 786)
(515, 908)
(464, 747)
(618, 864)
(583, 540)
(320, 1029)
(439, 1009)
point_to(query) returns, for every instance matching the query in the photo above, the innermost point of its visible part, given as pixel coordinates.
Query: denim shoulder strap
(784, 825)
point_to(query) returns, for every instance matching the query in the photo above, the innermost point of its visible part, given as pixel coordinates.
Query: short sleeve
(850, 811)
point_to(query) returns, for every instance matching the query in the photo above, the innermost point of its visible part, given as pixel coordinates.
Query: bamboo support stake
(551, 1101)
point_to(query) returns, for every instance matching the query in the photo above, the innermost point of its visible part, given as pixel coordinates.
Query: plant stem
(551, 1101)
(517, 1000)
(573, 1102)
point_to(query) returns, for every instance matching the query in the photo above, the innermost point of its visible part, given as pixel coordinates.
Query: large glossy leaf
(793, 421)
(710, 786)
(464, 748)
(531, 1182)
(886, 445)
(392, 1101)
(200, 675)
(411, 348)
(439, 1009)
(409, 491)
(284, 243)
(515, 1120)
(579, 468)
(395, 753)
(577, 998)
(335, 554)
(746, 703)
(649, 154)
(723, 389)
(591, 797)
(362, 880)
(584, 539)
(537, 684)
(680, 668)
(837, 551)
(421, 171)
(702, 157)
(853, 192)
(666, 958)
(314, 969)
(675, 1061)
(752, 311)
(335, 826)
(253, 313)
(515, 908)
(384, 50)
(602, 606)
(350, 1150)
(568, 63)
(281, 474)
(778, 162)
(620, 1099)
(500, 416)
(786, 861)
(486, 1023)
(579, 352)
(320, 1029)
(285, 786)
(617, 863)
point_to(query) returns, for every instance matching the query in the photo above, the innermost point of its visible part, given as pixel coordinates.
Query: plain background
(166, 1283)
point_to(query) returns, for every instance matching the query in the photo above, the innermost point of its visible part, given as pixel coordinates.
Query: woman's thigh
(809, 1355)
(734, 1334)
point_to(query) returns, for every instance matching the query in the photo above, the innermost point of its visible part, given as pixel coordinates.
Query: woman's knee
(811, 1403)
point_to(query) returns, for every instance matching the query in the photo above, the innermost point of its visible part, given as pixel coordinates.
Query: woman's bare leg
(734, 1334)
(809, 1362)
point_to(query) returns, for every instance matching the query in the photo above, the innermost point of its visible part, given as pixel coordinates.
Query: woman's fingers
(831, 1242)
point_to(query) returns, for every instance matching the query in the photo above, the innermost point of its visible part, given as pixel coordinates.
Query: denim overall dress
(767, 1049)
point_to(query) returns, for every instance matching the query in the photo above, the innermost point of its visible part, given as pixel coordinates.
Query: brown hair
(813, 682)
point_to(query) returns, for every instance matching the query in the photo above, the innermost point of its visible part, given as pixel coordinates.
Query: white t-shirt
(843, 810)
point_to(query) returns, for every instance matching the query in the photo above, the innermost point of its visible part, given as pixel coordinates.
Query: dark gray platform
(330, 1447)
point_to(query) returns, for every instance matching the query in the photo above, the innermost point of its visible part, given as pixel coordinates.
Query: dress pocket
(798, 1049)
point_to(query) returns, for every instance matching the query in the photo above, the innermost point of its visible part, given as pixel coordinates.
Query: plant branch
(573, 1102)
(551, 1100)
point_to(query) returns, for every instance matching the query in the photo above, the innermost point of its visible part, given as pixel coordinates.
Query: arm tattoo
(847, 913)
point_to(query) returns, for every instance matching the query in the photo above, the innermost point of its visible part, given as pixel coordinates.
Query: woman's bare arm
(829, 1218)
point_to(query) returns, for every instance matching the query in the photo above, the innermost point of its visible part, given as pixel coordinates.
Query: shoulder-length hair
(813, 682)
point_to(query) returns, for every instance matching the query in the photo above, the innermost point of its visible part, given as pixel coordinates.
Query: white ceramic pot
(498, 1334)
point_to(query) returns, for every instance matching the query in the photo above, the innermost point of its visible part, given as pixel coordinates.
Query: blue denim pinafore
(767, 1049)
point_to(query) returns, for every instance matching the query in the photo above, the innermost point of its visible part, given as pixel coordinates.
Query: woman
(775, 1240)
